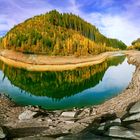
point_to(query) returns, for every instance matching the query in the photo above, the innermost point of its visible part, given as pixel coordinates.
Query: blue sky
(115, 18)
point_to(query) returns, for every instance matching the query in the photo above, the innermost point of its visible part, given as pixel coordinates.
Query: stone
(34, 138)
(121, 132)
(27, 115)
(49, 121)
(68, 114)
(41, 119)
(132, 117)
(84, 113)
(121, 114)
(135, 126)
(110, 123)
(101, 128)
(69, 122)
(2, 133)
(106, 125)
(135, 108)
(117, 120)
(57, 112)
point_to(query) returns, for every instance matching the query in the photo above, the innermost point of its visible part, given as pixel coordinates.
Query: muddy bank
(32, 121)
(33, 62)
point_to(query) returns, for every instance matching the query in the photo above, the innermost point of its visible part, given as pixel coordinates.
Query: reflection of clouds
(116, 77)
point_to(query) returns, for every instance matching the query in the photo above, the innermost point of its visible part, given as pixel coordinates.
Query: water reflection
(75, 88)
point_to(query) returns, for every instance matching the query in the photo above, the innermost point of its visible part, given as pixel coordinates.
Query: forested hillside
(54, 33)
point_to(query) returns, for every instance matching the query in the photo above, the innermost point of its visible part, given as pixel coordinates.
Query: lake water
(67, 89)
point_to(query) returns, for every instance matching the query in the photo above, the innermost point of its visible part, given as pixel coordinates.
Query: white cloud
(115, 26)
(123, 25)
(120, 28)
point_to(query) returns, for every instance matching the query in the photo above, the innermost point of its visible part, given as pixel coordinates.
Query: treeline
(58, 34)
(135, 44)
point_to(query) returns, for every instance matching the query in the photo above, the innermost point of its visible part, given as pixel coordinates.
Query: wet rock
(68, 114)
(3, 133)
(121, 132)
(135, 108)
(27, 115)
(132, 117)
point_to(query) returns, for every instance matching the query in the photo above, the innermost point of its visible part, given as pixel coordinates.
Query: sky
(114, 18)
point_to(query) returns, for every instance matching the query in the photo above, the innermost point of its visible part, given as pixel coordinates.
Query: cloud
(115, 26)
(121, 28)
(118, 19)
(123, 24)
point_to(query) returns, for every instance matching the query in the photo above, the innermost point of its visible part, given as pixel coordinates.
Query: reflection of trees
(58, 84)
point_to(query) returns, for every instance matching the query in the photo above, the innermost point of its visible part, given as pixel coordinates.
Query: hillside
(135, 45)
(54, 33)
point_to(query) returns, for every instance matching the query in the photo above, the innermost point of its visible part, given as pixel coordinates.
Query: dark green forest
(54, 33)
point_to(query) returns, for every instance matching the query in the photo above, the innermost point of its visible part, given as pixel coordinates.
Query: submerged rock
(135, 108)
(27, 115)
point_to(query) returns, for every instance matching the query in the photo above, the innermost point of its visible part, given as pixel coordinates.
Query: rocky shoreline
(116, 118)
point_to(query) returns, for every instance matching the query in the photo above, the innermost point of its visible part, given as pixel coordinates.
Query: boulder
(135, 108)
(132, 117)
(2, 133)
(106, 125)
(27, 115)
(121, 132)
(117, 121)
(135, 126)
(68, 114)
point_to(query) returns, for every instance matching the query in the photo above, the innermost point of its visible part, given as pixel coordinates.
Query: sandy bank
(32, 62)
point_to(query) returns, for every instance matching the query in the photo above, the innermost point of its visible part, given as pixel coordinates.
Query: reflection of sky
(115, 79)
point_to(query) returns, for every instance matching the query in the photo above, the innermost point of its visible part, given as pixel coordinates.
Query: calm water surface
(67, 89)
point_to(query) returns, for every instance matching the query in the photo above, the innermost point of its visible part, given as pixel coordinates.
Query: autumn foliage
(54, 33)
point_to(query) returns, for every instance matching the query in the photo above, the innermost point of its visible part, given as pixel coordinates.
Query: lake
(68, 89)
